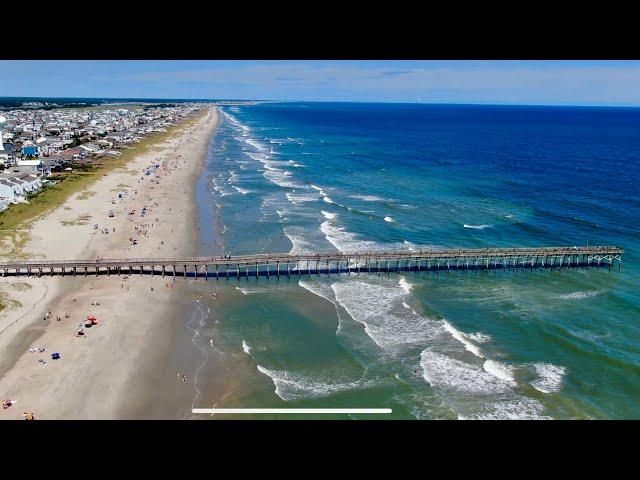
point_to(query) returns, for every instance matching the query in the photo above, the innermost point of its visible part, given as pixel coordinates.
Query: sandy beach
(119, 368)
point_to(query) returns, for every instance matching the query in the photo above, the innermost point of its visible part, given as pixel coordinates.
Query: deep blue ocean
(320, 177)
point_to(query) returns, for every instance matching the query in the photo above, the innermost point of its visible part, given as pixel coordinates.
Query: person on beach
(184, 377)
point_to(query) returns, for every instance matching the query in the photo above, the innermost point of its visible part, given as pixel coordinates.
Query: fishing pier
(277, 265)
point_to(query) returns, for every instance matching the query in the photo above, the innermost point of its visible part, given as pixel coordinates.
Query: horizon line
(210, 100)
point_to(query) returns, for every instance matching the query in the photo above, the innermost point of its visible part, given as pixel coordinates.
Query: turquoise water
(355, 177)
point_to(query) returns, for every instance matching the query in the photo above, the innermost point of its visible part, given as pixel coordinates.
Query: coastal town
(36, 145)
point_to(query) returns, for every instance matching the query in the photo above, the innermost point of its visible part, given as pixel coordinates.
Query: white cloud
(478, 81)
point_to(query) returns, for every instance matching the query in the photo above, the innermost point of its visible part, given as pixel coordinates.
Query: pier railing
(277, 264)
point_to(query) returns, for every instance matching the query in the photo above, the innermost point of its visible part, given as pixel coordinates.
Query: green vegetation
(9, 303)
(86, 195)
(81, 220)
(121, 186)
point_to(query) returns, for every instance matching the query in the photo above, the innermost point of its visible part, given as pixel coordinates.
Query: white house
(4, 203)
(35, 166)
(32, 182)
(11, 190)
(15, 186)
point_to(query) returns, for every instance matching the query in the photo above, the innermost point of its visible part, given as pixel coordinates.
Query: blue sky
(496, 82)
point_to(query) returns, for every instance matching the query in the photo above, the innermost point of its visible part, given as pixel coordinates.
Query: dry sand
(119, 368)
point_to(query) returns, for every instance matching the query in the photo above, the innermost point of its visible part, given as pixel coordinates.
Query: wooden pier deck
(282, 264)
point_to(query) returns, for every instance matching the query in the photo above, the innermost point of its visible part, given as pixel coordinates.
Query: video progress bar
(214, 411)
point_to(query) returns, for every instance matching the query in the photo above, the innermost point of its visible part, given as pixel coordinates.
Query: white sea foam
(245, 347)
(518, 408)
(255, 144)
(378, 307)
(388, 219)
(328, 215)
(549, 377)
(295, 386)
(443, 371)
(296, 197)
(477, 227)
(258, 157)
(500, 371)
(462, 338)
(346, 241)
(478, 337)
(320, 289)
(579, 295)
(233, 177)
(246, 291)
(406, 286)
(410, 246)
(235, 122)
(280, 178)
(368, 198)
(300, 245)
(243, 191)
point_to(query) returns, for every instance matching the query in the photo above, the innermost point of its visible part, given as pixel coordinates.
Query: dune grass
(9, 303)
(86, 195)
(81, 220)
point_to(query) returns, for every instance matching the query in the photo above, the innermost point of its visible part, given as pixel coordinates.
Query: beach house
(34, 166)
(11, 189)
(17, 182)
(30, 150)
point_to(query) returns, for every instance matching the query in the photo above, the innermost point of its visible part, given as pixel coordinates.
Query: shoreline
(102, 374)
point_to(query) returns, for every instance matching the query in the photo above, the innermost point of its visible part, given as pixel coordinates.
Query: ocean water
(296, 177)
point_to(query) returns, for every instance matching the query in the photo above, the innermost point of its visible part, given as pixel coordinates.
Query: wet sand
(124, 367)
